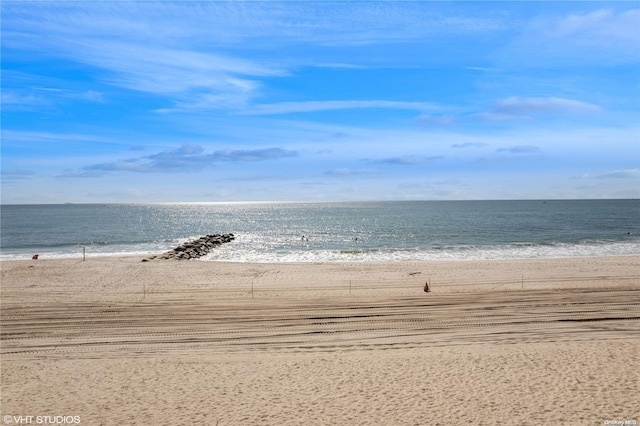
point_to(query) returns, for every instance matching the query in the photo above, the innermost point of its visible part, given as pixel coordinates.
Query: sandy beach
(117, 341)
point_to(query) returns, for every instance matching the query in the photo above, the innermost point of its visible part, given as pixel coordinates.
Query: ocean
(329, 232)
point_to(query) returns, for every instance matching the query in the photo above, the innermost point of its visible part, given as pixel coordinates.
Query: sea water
(329, 232)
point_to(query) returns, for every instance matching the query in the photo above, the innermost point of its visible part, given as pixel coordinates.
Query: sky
(217, 101)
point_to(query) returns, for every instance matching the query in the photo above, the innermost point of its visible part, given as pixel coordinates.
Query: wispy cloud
(437, 120)
(483, 69)
(193, 79)
(602, 28)
(521, 149)
(408, 160)
(600, 36)
(188, 75)
(44, 100)
(469, 145)
(88, 95)
(156, 47)
(314, 106)
(352, 23)
(12, 136)
(514, 153)
(515, 108)
(187, 158)
(352, 172)
(22, 91)
(621, 174)
(341, 65)
(9, 175)
(22, 100)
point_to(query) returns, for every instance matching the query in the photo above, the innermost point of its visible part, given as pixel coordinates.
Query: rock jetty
(195, 248)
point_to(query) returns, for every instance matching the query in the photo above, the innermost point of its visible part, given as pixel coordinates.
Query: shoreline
(147, 255)
(315, 254)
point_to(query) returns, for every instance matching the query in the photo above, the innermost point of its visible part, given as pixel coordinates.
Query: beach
(118, 341)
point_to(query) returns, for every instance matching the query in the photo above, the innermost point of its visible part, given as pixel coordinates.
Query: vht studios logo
(41, 420)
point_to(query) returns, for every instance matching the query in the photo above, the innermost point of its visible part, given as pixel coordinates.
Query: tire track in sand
(85, 329)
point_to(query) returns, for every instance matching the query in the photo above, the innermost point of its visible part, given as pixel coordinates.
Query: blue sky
(266, 101)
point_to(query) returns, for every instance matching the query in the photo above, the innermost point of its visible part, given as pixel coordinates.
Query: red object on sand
(426, 287)
(34, 257)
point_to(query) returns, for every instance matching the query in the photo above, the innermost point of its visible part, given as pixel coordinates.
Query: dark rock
(195, 248)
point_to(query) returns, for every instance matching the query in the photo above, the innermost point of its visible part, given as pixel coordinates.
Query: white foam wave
(229, 253)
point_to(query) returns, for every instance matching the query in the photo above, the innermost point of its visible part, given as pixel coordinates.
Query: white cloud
(601, 27)
(621, 174)
(88, 95)
(187, 158)
(528, 108)
(313, 106)
(193, 79)
(341, 65)
(521, 149)
(409, 160)
(10, 175)
(603, 37)
(146, 48)
(233, 22)
(436, 120)
(514, 153)
(469, 145)
(352, 172)
(10, 136)
(21, 100)
(159, 47)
